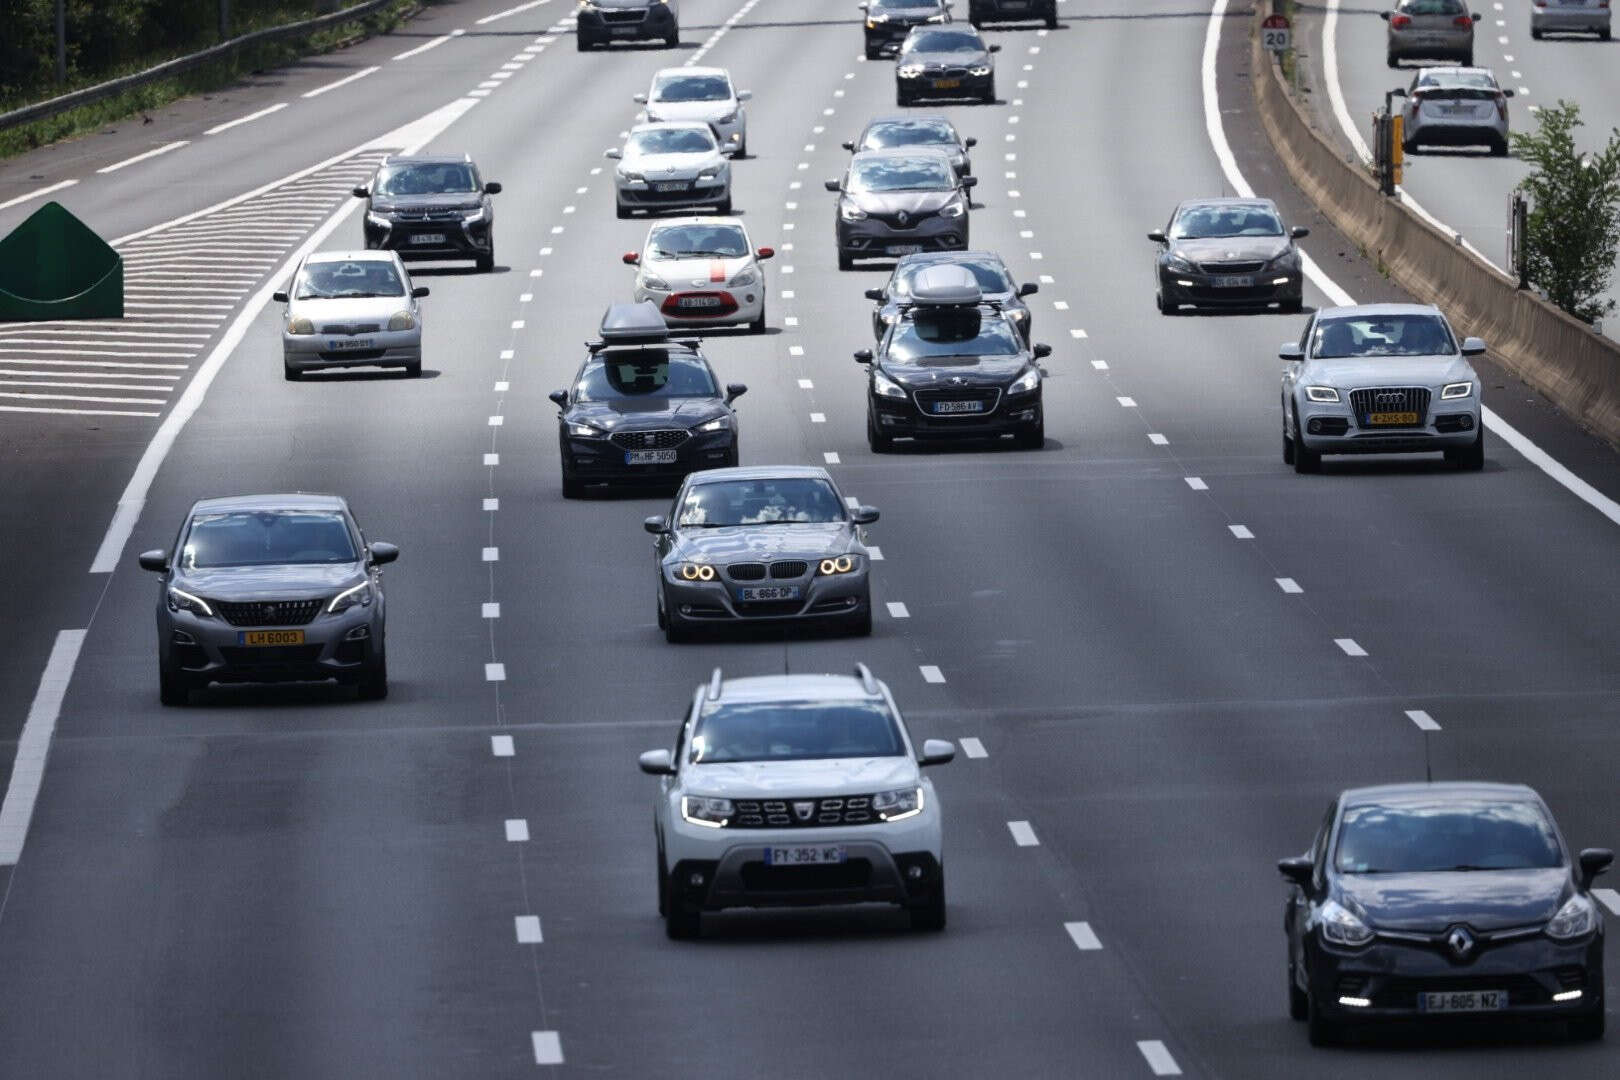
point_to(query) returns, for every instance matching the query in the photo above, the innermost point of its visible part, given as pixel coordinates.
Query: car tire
(486, 263)
(1392, 60)
(174, 689)
(1606, 34)
(1164, 306)
(572, 487)
(874, 54)
(1052, 20)
(1288, 449)
(1470, 458)
(861, 625)
(1292, 306)
(681, 923)
(880, 443)
(1466, 59)
(663, 885)
(1587, 1028)
(373, 683)
(1033, 438)
(676, 632)
(723, 208)
(1499, 148)
(758, 325)
(1306, 460)
(1536, 34)
(846, 262)
(673, 41)
(663, 624)
(290, 373)
(1409, 146)
(412, 371)
(902, 99)
(1299, 1003)
(929, 915)
(620, 209)
(1322, 1031)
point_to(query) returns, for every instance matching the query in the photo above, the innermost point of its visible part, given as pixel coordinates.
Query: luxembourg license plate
(903, 249)
(671, 185)
(269, 637)
(1462, 1001)
(805, 855)
(689, 302)
(1232, 281)
(622, 31)
(768, 592)
(958, 406)
(343, 344)
(947, 84)
(1389, 419)
(428, 238)
(649, 457)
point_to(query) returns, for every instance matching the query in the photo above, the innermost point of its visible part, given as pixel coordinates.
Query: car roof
(428, 159)
(664, 223)
(350, 256)
(794, 687)
(901, 152)
(1353, 310)
(907, 118)
(1461, 790)
(929, 257)
(761, 472)
(296, 500)
(661, 72)
(1228, 200)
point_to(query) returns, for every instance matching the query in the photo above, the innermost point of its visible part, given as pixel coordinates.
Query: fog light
(1354, 1002)
(1567, 995)
(1184, 284)
(359, 633)
(1314, 427)
(696, 880)
(748, 298)
(183, 638)
(1465, 422)
(915, 873)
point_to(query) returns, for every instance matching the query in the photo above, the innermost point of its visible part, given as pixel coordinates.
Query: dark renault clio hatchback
(1440, 903)
(431, 208)
(645, 407)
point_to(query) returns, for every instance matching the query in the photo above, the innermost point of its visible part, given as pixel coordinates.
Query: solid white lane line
(249, 118)
(973, 748)
(492, 504)
(831, 457)
(931, 674)
(502, 746)
(1241, 532)
(1126, 402)
(37, 193)
(1196, 483)
(346, 80)
(1289, 585)
(424, 47)
(1158, 440)
(547, 1044)
(494, 672)
(528, 929)
(34, 744)
(58, 384)
(1084, 938)
(1023, 834)
(80, 397)
(517, 829)
(492, 459)
(1349, 646)
(1610, 899)
(491, 610)
(143, 157)
(1422, 719)
(897, 610)
(14, 372)
(1158, 1058)
(492, 554)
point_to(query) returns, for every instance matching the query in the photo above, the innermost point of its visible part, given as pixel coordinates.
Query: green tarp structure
(54, 266)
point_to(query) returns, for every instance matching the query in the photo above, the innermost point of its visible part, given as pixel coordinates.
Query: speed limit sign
(1275, 33)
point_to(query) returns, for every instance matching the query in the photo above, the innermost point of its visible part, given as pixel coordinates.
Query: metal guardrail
(42, 109)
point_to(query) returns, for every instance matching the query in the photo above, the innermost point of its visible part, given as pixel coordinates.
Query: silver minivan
(1430, 30)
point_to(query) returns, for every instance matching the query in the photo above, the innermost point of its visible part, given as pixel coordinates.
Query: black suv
(645, 408)
(889, 21)
(983, 11)
(431, 207)
(953, 366)
(601, 22)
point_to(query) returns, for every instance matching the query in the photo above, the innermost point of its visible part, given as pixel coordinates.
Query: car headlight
(471, 217)
(909, 71)
(653, 281)
(840, 564)
(378, 221)
(710, 175)
(1341, 927)
(693, 571)
(1324, 394)
(887, 387)
(719, 423)
(348, 598)
(1175, 260)
(850, 212)
(743, 278)
(710, 812)
(952, 210)
(1288, 260)
(898, 805)
(584, 431)
(1576, 918)
(873, 20)
(300, 325)
(1456, 390)
(632, 177)
(979, 71)
(180, 600)
(1026, 382)
(589, 5)
(729, 118)
(402, 320)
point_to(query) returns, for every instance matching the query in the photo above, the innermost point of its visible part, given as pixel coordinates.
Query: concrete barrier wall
(1558, 355)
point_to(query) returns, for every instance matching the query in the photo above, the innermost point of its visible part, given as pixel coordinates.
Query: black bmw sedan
(1443, 902)
(645, 408)
(1227, 253)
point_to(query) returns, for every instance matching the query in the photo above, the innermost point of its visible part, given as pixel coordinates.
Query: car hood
(763, 543)
(672, 164)
(691, 110)
(238, 583)
(697, 273)
(973, 371)
(369, 309)
(1484, 899)
(1229, 248)
(892, 202)
(624, 5)
(959, 58)
(412, 204)
(646, 414)
(1352, 371)
(808, 779)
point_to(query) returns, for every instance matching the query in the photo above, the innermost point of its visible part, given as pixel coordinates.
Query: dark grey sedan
(270, 588)
(1227, 253)
(928, 132)
(897, 202)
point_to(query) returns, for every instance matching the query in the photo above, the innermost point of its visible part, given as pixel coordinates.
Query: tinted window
(698, 241)
(957, 337)
(642, 374)
(992, 278)
(445, 179)
(891, 133)
(929, 173)
(1382, 335)
(1432, 7)
(944, 41)
(691, 88)
(355, 278)
(691, 140)
(759, 502)
(1447, 834)
(266, 538)
(794, 731)
(1207, 222)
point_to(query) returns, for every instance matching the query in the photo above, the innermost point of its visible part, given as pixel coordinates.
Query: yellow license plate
(270, 637)
(1392, 418)
(947, 84)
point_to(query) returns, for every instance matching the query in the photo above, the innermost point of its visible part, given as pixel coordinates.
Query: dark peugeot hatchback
(1441, 903)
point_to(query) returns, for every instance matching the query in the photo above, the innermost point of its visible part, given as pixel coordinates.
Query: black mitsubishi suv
(431, 208)
(953, 366)
(645, 408)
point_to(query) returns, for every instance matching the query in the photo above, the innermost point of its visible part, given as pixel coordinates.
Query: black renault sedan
(889, 21)
(431, 207)
(1225, 253)
(644, 409)
(1436, 903)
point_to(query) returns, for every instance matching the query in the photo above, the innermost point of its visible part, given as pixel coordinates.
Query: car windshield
(450, 178)
(929, 173)
(692, 88)
(1382, 335)
(348, 279)
(692, 140)
(793, 731)
(648, 373)
(992, 277)
(944, 41)
(1447, 834)
(698, 241)
(266, 538)
(784, 501)
(892, 133)
(1210, 222)
(952, 337)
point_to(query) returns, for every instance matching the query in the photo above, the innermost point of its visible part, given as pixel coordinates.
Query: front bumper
(873, 238)
(204, 650)
(723, 305)
(450, 238)
(595, 461)
(718, 602)
(929, 88)
(1327, 428)
(396, 348)
(906, 419)
(1011, 10)
(1200, 289)
(643, 195)
(1553, 20)
(655, 22)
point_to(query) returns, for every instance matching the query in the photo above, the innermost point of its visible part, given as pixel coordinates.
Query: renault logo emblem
(803, 810)
(1460, 942)
(903, 218)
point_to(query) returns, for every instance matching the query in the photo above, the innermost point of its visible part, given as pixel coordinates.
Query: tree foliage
(1573, 227)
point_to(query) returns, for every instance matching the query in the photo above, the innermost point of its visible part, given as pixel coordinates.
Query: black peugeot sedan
(1225, 253)
(889, 21)
(1443, 902)
(645, 408)
(996, 286)
(431, 207)
(952, 366)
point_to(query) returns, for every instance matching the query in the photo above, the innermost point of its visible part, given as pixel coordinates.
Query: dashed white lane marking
(1289, 585)
(1196, 483)
(528, 929)
(497, 421)
(502, 386)
(1423, 720)
(1060, 305)
(831, 457)
(494, 672)
(492, 504)
(795, 350)
(1241, 532)
(931, 674)
(491, 610)
(492, 554)
(1023, 834)
(536, 272)
(972, 747)
(507, 354)
(790, 320)
(34, 744)
(806, 384)
(1158, 1058)
(1349, 646)
(1126, 402)
(249, 118)
(547, 1048)
(512, 67)
(517, 324)
(1036, 256)
(424, 47)
(502, 746)
(487, 19)
(1100, 365)
(1158, 440)
(1084, 938)
(345, 81)
(37, 193)
(143, 157)
(874, 552)
(517, 829)
(897, 610)
(492, 459)
(528, 296)
(818, 418)
(1610, 898)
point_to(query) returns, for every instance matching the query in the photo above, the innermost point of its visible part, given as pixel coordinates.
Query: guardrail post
(61, 41)
(1518, 218)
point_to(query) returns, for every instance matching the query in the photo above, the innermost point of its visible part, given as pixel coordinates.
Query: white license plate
(649, 457)
(699, 302)
(958, 406)
(769, 592)
(1462, 1001)
(344, 344)
(428, 238)
(805, 855)
(622, 31)
(1232, 281)
(903, 249)
(672, 185)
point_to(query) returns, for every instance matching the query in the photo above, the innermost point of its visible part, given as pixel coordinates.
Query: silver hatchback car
(351, 308)
(1430, 30)
(1571, 17)
(1453, 106)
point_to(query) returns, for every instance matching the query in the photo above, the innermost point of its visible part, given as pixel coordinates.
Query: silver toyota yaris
(348, 309)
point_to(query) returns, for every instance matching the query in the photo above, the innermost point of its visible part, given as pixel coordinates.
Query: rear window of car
(644, 373)
(348, 280)
(1431, 7)
(794, 731)
(1381, 335)
(1470, 80)
(266, 538)
(1446, 834)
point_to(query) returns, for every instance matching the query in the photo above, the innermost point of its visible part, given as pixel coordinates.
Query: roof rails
(869, 681)
(714, 686)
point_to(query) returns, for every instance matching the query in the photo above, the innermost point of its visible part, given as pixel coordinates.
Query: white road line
(874, 552)
(1126, 402)
(517, 829)
(517, 324)
(346, 80)
(1610, 898)
(58, 351)
(1100, 365)
(249, 118)
(492, 504)
(1158, 440)
(806, 384)
(424, 47)
(21, 373)
(931, 674)
(492, 554)
(492, 459)
(77, 412)
(897, 610)
(143, 157)
(1060, 305)
(494, 672)
(1196, 483)
(34, 745)
(1158, 1058)
(490, 610)
(81, 397)
(57, 384)
(1084, 938)
(1422, 719)
(37, 193)
(502, 746)
(1289, 585)
(795, 350)
(96, 363)
(1349, 646)
(1023, 834)
(973, 748)
(501, 385)
(497, 421)
(547, 1044)
(1241, 532)
(818, 418)
(528, 929)
(831, 457)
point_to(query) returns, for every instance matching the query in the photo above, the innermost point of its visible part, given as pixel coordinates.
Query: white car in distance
(705, 94)
(702, 271)
(675, 166)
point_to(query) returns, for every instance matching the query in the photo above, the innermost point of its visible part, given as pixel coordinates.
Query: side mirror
(875, 294)
(1290, 351)
(1473, 346)
(155, 561)
(1028, 288)
(631, 258)
(970, 181)
(1384, 15)
(995, 48)
(1158, 237)
(1476, 16)
(559, 398)
(1298, 869)
(613, 154)
(735, 390)
(970, 142)
(745, 95)
(420, 291)
(1594, 860)
(362, 192)
(832, 185)
(657, 763)
(848, 144)
(863, 356)
(492, 188)
(279, 297)
(1507, 91)
(382, 552)
(1299, 232)
(1041, 352)
(639, 99)
(655, 525)
(862, 7)
(765, 253)
(937, 752)
(863, 515)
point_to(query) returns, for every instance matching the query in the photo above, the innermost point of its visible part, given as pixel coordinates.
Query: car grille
(784, 813)
(275, 656)
(664, 439)
(926, 399)
(746, 571)
(268, 612)
(945, 72)
(351, 328)
(632, 15)
(430, 215)
(790, 569)
(1250, 267)
(1387, 399)
(913, 219)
